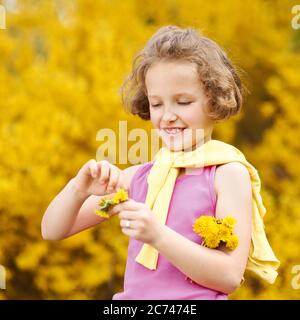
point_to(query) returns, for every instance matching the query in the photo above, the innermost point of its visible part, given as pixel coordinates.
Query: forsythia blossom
(106, 203)
(216, 231)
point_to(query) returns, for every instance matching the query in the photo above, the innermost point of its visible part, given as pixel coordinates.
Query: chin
(179, 147)
(182, 141)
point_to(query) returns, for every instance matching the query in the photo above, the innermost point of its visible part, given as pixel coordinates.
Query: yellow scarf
(161, 180)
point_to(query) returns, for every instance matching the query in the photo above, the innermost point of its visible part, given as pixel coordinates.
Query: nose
(169, 116)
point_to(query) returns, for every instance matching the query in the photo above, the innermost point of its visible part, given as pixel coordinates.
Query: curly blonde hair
(218, 76)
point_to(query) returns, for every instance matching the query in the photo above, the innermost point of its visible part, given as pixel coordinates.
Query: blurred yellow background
(62, 63)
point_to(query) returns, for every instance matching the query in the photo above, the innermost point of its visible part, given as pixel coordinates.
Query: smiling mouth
(173, 131)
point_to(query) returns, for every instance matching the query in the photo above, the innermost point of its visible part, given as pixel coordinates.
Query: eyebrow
(175, 95)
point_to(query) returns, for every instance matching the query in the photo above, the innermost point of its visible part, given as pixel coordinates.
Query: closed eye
(181, 103)
(184, 103)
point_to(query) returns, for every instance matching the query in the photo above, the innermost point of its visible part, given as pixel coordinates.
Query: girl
(182, 82)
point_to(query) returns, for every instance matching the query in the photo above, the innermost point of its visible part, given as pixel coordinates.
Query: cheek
(155, 118)
(190, 117)
(195, 117)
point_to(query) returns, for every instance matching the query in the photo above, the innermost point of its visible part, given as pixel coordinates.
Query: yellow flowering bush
(43, 91)
(216, 231)
(106, 203)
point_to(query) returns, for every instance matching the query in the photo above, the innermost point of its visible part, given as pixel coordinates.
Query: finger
(121, 182)
(129, 205)
(123, 223)
(104, 171)
(93, 168)
(87, 168)
(113, 179)
(129, 232)
(128, 215)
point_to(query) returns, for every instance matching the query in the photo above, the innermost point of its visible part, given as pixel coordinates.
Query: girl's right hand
(99, 178)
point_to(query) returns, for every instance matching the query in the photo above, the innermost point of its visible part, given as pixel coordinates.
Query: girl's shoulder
(231, 172)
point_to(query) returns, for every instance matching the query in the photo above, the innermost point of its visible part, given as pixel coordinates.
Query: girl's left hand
(144, 225)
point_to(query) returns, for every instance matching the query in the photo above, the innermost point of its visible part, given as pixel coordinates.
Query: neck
(201, 142)
(206, 138)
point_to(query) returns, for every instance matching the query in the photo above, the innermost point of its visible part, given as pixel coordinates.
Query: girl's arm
(72, 211)
(218, 269)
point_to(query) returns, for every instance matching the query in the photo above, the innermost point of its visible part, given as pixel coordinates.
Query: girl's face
(176, 101)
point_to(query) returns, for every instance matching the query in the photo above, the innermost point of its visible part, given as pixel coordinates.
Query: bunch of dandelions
(216, 231)
(107, 203)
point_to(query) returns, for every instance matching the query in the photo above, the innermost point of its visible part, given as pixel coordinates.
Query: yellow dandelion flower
(102, 213)
(205, 220)
(224, 232)
(120, 196)
(107, 202)
(203, 225)
(232, 242)
(212, 242)
(229, 221)
(218, 221)
(215, 231)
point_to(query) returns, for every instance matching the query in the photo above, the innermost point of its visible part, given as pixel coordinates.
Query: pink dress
(193, 196)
